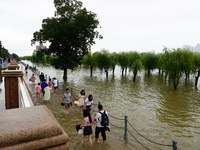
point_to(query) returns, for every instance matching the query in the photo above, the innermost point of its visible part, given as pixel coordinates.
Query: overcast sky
(127, 25)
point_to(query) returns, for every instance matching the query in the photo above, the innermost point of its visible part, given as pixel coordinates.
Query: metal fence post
(174, 144)
(125, 127)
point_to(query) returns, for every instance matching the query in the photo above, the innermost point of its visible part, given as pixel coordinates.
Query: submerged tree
(89, 61)
(135, 63)
(103, 60)
(150, 61)
(113, 62)
(173, 65)
(123, 62)
(70, 33)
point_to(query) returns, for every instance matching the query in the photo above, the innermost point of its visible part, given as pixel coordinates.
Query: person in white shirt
(55, 84)
(99, 128)
(88, 102)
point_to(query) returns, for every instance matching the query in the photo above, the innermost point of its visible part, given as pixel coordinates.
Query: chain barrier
(115, 117)
(147, 138)
(116, 126)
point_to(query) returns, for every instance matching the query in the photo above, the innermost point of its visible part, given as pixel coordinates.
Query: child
(38, 91)
(87, 132)
(81, 99)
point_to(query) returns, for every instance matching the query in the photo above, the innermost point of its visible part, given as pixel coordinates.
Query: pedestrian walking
(55, 84)
(87, 132)
(47, 93)
(50, 83)
(67, 99)
(81, 99)
(32, 78)
(101, 126)
(38, 91)
(41, 76)
(43, 85)
(89, 102)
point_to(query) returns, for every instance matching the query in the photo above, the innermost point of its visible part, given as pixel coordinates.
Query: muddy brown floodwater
(154, 108)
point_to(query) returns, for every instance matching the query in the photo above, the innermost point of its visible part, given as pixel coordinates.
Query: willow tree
(187, 61)
(113, 62)
(149, 61)
(135, 63)
(123, 62)
(89, 61)
(173, 65)
(71, 33)
(103, 60)
(197, 66)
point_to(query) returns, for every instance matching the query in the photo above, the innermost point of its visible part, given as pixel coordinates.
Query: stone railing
(24, 96)
(27, 126)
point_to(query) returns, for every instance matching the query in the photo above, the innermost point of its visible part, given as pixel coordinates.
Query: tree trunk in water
(134, 75)
(175, 84)
(91, 71)
(113, 72)
(159, 71)
(125, 71)
(148, 72)
(106, 74)
(197, 78)
(122, 71)
(65, 74)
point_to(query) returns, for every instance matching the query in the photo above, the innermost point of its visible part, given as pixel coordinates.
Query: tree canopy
(71, 33)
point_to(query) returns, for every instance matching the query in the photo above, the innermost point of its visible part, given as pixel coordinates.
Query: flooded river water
(154, 108)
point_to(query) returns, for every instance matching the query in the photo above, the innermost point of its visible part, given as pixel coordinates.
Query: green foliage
(135, 63)
(14, 56)
(70, 33)
(150, 61)
(177, 62)
(89, 60)
(123, 61)
(103, 60)
(3, 52)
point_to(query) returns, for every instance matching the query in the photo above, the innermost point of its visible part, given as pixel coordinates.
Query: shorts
(88, 108)
(67, 105)
(87, 130)
(55, 87)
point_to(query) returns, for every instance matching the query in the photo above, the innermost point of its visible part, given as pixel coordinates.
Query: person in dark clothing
(41, 76)
(43, 85)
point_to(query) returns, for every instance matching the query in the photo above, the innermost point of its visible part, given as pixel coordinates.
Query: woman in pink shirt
(87, 132)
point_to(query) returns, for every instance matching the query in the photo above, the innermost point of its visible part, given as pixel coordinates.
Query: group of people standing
(87, 124)
(44, 89)
(85, 108)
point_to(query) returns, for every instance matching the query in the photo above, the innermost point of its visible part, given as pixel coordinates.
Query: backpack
(104, 119)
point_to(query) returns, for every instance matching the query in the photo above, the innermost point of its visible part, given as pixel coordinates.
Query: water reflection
(152, 106)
